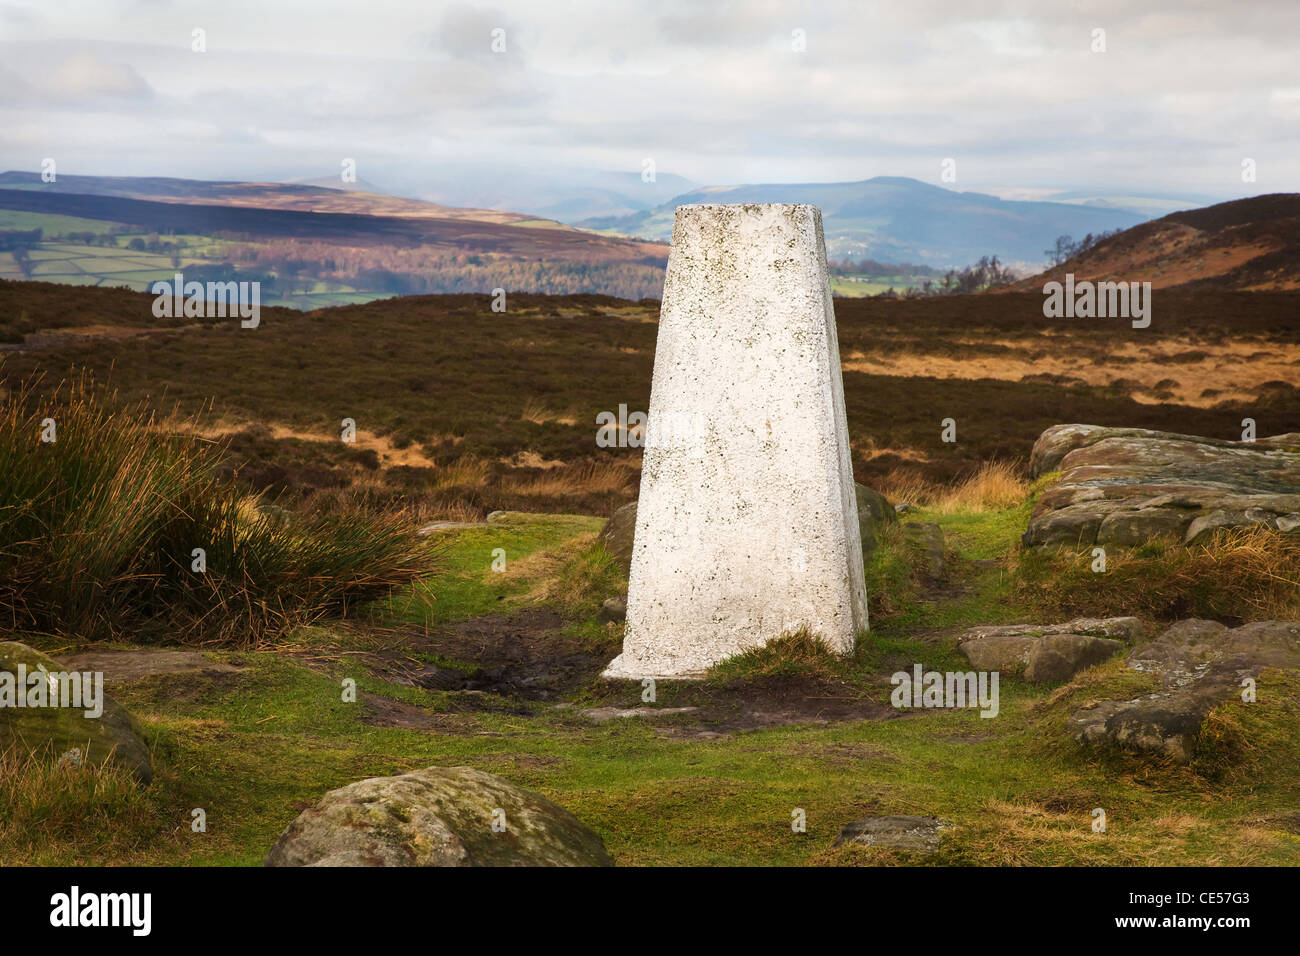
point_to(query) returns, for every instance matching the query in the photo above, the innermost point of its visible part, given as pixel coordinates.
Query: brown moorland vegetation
(1249, 244)
(461, 411)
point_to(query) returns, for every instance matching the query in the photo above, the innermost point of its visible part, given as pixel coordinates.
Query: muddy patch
(509, 664)
(522, 657)
(757, 705)
(385, 712)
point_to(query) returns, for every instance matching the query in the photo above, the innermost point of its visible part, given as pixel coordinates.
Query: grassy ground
(461, 412)
(253, 749)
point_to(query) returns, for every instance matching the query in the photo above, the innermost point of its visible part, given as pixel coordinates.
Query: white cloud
(1009, 88)
(84, 77)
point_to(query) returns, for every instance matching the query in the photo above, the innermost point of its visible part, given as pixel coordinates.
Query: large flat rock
(1047, 652)
(130, 665)
(1124, 487)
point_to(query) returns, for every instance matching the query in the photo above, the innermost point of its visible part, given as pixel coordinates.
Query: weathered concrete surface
(874, 513)
(747, 523)
(1123, 487)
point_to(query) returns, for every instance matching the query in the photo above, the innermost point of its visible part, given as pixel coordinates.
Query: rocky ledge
(1123, 487)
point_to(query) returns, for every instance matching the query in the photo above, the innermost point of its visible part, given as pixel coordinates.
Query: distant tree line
(1066, 248)
(988, 273)
(155, 244)
(298, 265)
(873, 268)
(11, 239)
(87, 238)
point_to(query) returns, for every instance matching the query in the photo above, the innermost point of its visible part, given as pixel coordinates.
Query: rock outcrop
(874, 512)
(1123, 487)
(921, 834)
(617, 535)
(1048, 652)
(440, 816)
(1200, 664)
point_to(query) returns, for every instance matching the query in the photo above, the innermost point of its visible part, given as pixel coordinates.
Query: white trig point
(747, 523)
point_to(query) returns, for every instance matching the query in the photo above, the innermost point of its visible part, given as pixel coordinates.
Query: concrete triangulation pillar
(747, 522)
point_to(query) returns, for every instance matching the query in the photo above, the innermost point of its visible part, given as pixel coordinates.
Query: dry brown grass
(465, 472)
(99, 528)
(591, 478)
(538, 413)
(46, 806)
(1245, 573)
(1187, 371)
(995, 486)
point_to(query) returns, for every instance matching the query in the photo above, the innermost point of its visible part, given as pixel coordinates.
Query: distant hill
(1146, 205)
(1247, 244)
(569, 195)
(896, 219)
(308, 245)
(303, 197)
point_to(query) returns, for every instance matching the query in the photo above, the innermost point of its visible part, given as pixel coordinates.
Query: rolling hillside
(1247, 244)
(896, 219)
(308, 245)
(302, 197)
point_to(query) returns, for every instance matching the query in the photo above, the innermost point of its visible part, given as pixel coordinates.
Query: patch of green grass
(52, 224)
(49, 810)
(470, 585)
(800, 654)
(255, 748)
(716, 802)
(1240, 741)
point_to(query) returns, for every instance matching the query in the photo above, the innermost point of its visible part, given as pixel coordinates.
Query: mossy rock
(617, 535)
(51, 732)
(440, 816)
(874, 512)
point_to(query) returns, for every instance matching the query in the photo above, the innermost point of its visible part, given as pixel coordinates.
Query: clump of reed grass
(100, 529)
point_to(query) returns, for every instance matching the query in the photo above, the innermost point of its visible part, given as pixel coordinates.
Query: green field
(52, 224)
(857, 286)
(71, 263)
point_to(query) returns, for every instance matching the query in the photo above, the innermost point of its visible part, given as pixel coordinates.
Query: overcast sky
(1012, 91)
